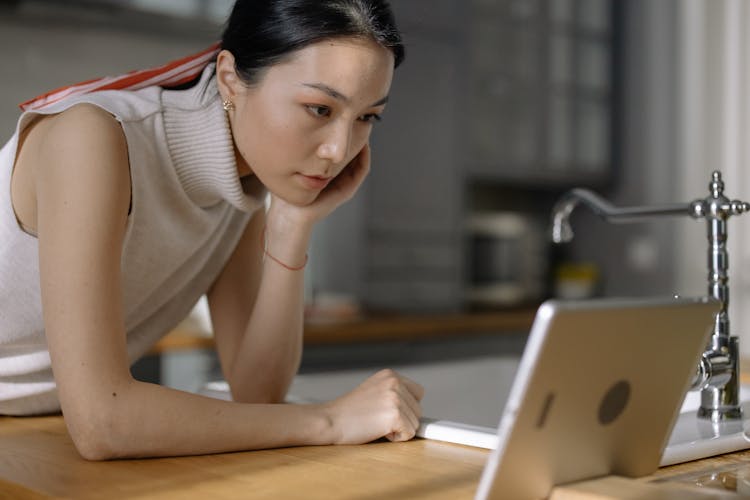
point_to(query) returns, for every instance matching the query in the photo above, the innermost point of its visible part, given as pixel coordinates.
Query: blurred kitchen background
(500, 107)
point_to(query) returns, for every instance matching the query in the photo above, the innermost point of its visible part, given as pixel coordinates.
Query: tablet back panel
(597, 392)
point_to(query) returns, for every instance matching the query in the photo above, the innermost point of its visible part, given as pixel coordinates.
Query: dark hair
(261, 33)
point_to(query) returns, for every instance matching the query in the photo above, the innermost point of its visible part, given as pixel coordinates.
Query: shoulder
(81, 150)
(81, 135)
(82, 122)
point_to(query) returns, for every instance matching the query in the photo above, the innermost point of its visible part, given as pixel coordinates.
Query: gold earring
(227, 104)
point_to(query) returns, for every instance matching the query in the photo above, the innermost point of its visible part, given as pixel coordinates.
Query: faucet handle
(737, 207)
(710, 208)
(698, 209)
(716, 205)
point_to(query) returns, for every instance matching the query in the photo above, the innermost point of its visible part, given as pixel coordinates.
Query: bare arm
(257, 313)
(257, 303)
(82, 188)
(256, 309)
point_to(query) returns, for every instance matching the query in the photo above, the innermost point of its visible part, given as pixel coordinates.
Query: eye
(318, 111)
(370, 118)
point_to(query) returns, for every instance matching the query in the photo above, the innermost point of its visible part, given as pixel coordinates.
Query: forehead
(358, 68)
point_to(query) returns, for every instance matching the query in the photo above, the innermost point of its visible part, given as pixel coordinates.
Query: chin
(300, 199)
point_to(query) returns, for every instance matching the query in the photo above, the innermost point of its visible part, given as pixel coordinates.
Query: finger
(405, 431)
(414, 388)
(403, 413)
(411, 403)
(349, 180)
(362, 158)
(412, 418)
(357, 170)
(397, 435)
(409, 410)
(363, 162)
(357, 166)
(405, 419)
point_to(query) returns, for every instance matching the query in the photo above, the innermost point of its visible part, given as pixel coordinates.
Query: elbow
(96, 436)
(94, 450)
(92, 447)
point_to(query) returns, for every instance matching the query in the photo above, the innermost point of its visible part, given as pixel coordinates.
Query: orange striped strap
(171, 74)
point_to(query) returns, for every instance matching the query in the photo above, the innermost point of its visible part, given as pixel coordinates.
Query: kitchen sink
(693, 438)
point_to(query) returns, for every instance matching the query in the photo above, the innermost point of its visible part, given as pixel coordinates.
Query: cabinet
(413, 196)
(540, 90)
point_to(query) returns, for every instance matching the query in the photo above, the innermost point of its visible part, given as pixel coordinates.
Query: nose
(335, 145)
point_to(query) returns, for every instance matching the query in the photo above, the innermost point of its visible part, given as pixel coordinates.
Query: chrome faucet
(717, 376)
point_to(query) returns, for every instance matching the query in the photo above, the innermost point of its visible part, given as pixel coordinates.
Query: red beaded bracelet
(266, 252)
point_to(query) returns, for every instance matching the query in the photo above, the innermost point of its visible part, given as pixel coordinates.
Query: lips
(315, 181)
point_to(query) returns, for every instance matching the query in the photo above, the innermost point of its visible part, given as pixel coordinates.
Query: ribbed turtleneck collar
(201, 147)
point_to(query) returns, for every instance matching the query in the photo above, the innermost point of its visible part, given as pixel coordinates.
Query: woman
(126, 206)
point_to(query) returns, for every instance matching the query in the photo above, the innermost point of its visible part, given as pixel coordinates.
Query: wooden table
(38, 460)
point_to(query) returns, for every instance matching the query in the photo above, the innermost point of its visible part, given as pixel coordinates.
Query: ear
(227, 80)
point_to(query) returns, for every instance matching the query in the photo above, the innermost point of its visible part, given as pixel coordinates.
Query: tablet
(597, 392)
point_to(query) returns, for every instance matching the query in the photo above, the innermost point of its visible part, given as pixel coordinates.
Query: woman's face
(309, 115)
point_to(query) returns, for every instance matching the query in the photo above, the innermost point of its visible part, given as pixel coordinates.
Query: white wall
(714, 132)
(638, 259)
(43, 48)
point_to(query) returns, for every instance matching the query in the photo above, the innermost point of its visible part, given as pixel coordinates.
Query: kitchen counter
(38, 460)
(376, 328)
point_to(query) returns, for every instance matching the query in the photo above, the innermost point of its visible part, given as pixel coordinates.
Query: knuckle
(392, 384)
(394, 415)
(393, 400)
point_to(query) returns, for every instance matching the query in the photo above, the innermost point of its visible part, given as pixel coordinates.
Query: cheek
(359, 139)
(243, 134)
(266, 137)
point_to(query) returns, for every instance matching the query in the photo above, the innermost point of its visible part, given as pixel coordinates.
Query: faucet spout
(718, 374)
(562, 231)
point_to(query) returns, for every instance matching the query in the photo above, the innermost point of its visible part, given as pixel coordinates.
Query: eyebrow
(338, 95)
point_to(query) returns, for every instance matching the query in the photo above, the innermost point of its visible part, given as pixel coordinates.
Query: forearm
(147, 420)
(271, 347)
